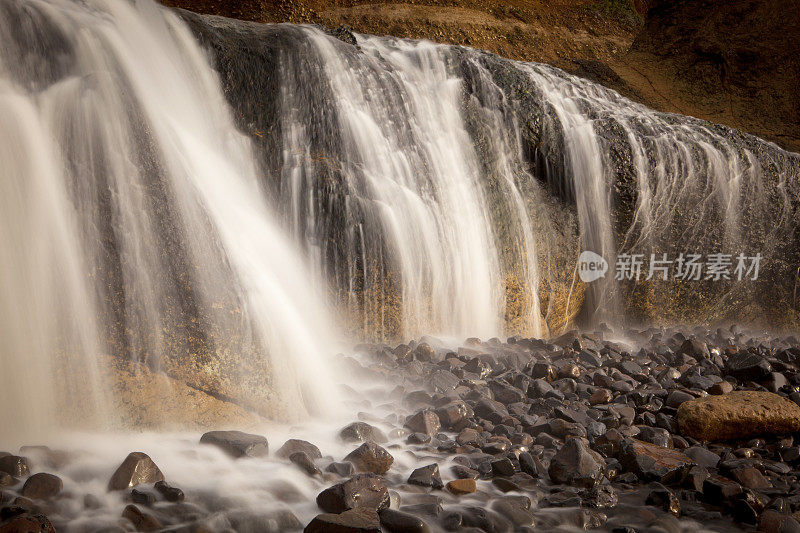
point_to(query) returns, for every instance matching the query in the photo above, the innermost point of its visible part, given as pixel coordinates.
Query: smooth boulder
(738, 415)
(237, 443)
(359, 520)
(369, 457)
(362, 490)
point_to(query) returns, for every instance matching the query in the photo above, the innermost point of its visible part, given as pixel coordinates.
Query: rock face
(369, 457)
(576, 464)
(237, 443)
(738, 415)
(363, 490)
(135, 469)
(14, 465)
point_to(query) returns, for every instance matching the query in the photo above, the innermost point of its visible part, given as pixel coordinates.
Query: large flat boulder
(738, 415)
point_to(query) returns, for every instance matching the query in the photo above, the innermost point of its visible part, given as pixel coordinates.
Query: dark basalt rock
(296, 445)
(359, 520)
(237, 443)
(369, 457)
(664, 499)
(427, 476)
(363, 490)
(305, 463)
(399, 522)
(652, 462)
(425, 421)
(171, 494)
(576, 464)
(747, 366)
(136, 469)
(361, 432)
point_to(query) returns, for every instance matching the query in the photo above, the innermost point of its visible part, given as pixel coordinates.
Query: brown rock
(738, 415)
(361, 520)
(135, 469)
(141, 520)
(369, 457)
(363, 490)
(462, 486)
(14, 465)
(42, 486)
(27, 523)
(237, 443)
(750, 478)
(652, 462)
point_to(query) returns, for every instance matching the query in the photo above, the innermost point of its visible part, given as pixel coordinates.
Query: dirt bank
(717, 61)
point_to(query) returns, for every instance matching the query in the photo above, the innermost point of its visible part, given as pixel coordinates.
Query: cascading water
(133, 221)
(438, 183)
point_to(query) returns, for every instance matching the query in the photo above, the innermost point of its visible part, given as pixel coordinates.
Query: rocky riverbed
(655, 430)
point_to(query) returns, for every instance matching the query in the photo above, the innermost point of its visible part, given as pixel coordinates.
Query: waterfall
(135, 222)
(447, 190)
(195, 193)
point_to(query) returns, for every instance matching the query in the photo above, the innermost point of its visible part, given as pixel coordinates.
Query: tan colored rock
(738, 415)
(462, 486)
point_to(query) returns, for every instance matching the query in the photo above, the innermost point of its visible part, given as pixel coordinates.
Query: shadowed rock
(296, 445)
(575, 464)
(653, 462)
(42, 486)
(237, 443)
(360, 520)
(14, 465)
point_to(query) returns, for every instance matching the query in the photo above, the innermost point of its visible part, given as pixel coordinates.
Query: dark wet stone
(512, 511)
(576, 464)
(505, 393)
(141, 521)
(136, 469)
(363, 490)
(503, 467)
(723, 387)
(143, 497)
(750, 478)
(664, 499)
(600, 497)
(657, 436)
(418, 438)
(171, 494)
(485, 520)
(600, 396)
(14, 465)
(254, 521)
(677, 397)
(362, 432)
(694, 348)
(425, 421)
(42, 486)
(296, 445)
(399, 522)
(702, 456)
(361, 520)
(464, 472)
(341, 469)
(7, 480)
(453, 413)
(652, 462)
(305, 463)
(747, 366)
(237, 443)
(718, 490)
(369, 457)
(426, 476)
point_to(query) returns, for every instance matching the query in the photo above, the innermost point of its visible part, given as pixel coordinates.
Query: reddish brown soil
(733, 62)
